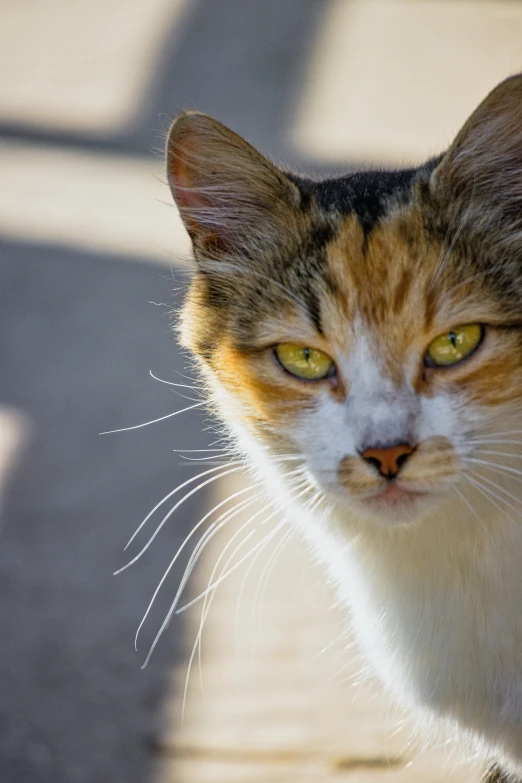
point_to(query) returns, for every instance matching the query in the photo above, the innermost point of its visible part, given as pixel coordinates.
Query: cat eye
(306, 363)
(451, 348)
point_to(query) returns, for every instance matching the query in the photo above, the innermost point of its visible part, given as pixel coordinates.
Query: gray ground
(78, 337)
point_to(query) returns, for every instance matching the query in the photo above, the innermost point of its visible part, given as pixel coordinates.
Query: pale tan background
(90, 254)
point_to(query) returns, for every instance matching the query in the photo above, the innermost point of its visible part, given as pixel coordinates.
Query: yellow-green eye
(306, 363)
(453, 347)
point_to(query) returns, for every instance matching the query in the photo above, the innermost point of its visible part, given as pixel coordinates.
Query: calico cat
(364, 334)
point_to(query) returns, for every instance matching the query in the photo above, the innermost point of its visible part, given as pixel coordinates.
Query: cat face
(362, 335)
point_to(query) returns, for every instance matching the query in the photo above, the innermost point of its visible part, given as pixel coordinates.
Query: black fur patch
(367, 193)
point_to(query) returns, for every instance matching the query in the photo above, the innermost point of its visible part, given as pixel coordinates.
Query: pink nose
(388, 461)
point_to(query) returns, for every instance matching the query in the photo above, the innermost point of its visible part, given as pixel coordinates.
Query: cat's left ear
(231, 199)
(483, 166)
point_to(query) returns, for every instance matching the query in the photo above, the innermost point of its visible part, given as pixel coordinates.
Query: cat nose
(388, 460)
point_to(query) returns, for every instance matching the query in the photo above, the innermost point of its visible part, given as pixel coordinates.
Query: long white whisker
(205, 592)
(242, 586)
(500, 469)
(274, 557)
(207, 604)
(502, 432)
(205, 540)
(488, 464)
(333, 642)
(194, 451)
(227, 574)
(187, 461)
(154, 421)
(490, 495)
(259, 595)
(186, 540)
(498, 453)
(500, 488)
(171, 512)
(495, 441)
(202, 544)
(210, 596)
(470, 507)
(171, 383)
(173, 492)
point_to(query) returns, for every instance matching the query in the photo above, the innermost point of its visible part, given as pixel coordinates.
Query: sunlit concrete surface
(90, 201)
(80, 65)
(283, 696)
(391, 81)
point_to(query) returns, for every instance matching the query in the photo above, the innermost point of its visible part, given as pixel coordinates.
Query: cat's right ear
(231, 199)
(483, 167)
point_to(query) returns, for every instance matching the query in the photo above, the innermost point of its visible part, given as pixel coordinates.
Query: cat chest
(456, 653)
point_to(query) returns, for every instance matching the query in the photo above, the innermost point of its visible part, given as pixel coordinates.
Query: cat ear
(231, 199)
(483, 166)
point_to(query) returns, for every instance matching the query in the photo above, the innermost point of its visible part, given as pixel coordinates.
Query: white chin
(393, 508)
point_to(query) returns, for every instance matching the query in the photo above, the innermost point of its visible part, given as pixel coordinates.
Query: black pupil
(307, 354)
(453, 339)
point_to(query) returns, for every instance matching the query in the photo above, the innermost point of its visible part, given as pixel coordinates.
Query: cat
(362, 336)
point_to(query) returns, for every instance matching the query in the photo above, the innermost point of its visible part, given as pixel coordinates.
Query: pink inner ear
(190, 200)
(183, 179)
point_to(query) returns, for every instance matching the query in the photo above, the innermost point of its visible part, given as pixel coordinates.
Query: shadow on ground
(78, 339)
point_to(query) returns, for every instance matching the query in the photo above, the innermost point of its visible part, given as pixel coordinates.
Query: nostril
(401, 459)
(373, 461)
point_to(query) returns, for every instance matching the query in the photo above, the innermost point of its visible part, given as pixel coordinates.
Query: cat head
(362, 336)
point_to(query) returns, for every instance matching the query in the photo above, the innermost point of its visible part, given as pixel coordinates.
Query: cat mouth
(394, 496)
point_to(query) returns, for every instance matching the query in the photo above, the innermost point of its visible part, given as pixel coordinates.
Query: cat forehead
(384, 274)
(367, 194)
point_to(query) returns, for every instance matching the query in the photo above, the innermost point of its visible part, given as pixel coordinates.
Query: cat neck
(452, 547)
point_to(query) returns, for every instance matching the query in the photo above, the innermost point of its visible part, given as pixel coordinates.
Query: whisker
(154, 421)
(182, 386)
(501, 472)
(488, 464)
(259, 595)
(170, 494)
(492, 494)
(226, 575)
(470, 507)
(171, 383)
(204, 541)
(210, 597)
(205, 611)
(494, 441)
(238, 506)
(171, 512)
(198, 642)
(205, 592)
(499, 487)
(187, 461)
(239, 599)
(503, 432)
(343, 635)
(485, 492)
(194, 451)
(498, 453)
(190, 567)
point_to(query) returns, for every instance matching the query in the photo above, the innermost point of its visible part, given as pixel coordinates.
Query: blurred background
(92, 260)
